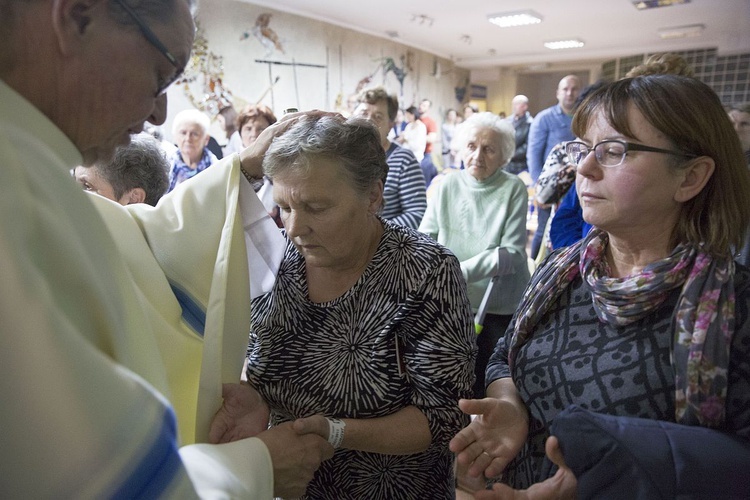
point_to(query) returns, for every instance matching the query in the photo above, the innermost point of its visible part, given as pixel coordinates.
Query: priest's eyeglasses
(154, 40)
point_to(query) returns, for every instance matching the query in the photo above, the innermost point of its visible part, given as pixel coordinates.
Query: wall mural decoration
(273, 80)
(386, 65)
(202, 80)
(437, 69)
(365, 82)
(461, 91)
(223, 69)
(389, 66)
(265, 34)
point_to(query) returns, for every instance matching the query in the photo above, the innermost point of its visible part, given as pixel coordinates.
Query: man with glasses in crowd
(103, 316)
(404, 192)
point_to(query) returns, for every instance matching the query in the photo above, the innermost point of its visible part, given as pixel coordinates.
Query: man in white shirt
(117, 319)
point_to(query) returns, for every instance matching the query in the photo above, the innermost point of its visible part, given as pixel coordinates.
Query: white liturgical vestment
(115, 320)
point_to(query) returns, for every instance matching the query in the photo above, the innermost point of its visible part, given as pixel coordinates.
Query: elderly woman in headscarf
(631, 348)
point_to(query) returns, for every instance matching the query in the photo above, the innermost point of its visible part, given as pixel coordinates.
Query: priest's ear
(76, 21)
(135, 195)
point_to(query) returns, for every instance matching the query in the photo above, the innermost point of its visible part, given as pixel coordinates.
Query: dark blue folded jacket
(633, 458)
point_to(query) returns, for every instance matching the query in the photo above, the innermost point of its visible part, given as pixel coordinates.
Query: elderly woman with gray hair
(190, 132)
(479, 213)
(368, 331)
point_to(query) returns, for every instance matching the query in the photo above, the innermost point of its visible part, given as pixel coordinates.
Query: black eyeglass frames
(611, 153)
(153, 40)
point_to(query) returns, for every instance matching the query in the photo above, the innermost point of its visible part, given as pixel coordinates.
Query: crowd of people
(344, 307)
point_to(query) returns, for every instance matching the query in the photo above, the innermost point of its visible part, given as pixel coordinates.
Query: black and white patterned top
(341, 359)
(573, 358)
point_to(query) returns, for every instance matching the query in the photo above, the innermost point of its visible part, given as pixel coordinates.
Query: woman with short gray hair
(368, 329)
(348, 143)
(190, 132)
(479, 213)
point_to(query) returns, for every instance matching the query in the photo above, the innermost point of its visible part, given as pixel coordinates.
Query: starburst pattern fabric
(342, 358)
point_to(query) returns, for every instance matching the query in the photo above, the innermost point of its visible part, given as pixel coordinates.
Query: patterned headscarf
(703, 321)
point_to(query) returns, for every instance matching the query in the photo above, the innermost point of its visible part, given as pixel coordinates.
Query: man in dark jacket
(521, 120)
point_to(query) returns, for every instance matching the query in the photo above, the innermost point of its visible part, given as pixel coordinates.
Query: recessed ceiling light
(573, 43)
(681, 31)
(518, 18)
(653, 4)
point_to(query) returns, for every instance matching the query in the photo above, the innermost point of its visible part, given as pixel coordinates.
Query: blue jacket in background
(567, 225)
(550, 127)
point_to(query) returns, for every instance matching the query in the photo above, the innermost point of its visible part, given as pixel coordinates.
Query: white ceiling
(610, 28)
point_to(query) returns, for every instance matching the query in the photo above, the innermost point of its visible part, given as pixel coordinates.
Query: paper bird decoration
(265, 35)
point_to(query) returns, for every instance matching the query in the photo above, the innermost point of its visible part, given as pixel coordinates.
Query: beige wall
(313, 42)
(539, 86)
(351, 56)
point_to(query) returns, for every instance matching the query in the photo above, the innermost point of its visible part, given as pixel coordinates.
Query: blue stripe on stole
(192, 311)
(158, 468)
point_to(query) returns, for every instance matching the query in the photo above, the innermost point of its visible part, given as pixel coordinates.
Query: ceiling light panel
(517, 18)
(573, 43)
(681, 31)
(654, 4)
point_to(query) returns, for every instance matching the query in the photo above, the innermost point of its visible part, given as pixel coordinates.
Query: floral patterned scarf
(703, 321)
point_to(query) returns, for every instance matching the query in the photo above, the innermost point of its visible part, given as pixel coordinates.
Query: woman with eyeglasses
(632, 347)
(568, 226)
